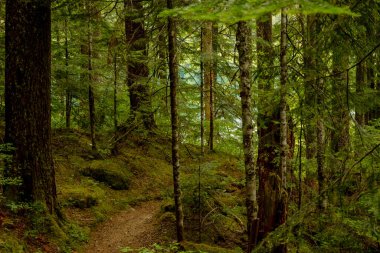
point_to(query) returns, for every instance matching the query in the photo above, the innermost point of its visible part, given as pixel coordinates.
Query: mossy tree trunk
(27, 94)
(244, 47)
(137, 68)
(173, 76)
(269, 195)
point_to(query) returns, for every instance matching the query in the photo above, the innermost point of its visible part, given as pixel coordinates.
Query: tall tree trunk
(283, 196)
(322, 189)
(268, 134)
(310, 86)
(69, 96)
(341, 119)
(27, 99)
(202, 96)
(371, 114)
(208, 76)
(360, 85)
(137, 70)
(173, 76)
(244, 47)
(319, 117)
(91, 99)
(115, 123)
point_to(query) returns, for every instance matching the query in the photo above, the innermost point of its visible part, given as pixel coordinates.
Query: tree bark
(340, 137)
(69, 96)
(320, 153)
(202, 91)
(137, 69)
(360, 85)
(115, 123)
(310, 86)
(91, 99)
(27, 98)
(244, 47)
(173, 76)
(208, 78)
(268, 134)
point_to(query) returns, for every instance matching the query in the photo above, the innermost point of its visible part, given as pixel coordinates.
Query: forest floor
(134, 228)
(125, 201)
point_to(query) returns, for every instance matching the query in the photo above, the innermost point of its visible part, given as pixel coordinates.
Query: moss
(208, 248)
(84, 195)
(10, 244)
(167, 217)
(114, 179)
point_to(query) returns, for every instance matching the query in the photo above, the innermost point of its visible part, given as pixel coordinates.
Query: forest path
(135, 227)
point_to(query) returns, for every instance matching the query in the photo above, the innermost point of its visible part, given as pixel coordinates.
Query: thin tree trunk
(244, 47)
(322, 189)
(360, 84)
(28, 101)
(115, 123)
(310, 86)
(69, 95)
(207, 57)
(202, 99)
(173, 76)
(214, 43)
(91, 99)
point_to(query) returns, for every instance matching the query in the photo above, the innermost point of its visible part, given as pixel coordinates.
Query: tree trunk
(202, 96)
(115, 123)
(310, 86)
(69, 96)
(341, 119)
(268, 134)
(360, 85)
(320, 127)
(173, 76)
(208, 76)
(91, 99)
(283, 195)
(244, 47)
(27, 97)
(137, 70)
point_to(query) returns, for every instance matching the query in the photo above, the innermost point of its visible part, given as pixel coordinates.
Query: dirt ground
(135, 228)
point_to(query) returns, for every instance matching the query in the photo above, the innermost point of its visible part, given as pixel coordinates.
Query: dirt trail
(135, 228)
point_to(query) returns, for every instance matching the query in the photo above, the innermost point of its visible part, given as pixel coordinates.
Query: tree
(27, 112)
(208, 78)
(244, 47)
(91, 98)
(269, 214)
(173, 78)
(137, 68)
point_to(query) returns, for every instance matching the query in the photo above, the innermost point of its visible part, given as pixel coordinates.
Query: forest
(210, 126)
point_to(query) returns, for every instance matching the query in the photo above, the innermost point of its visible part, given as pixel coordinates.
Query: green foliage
(243, 10)
(10, 244)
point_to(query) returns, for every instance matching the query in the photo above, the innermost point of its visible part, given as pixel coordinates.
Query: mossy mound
(114, 179)
(80, 201)
(208, 248)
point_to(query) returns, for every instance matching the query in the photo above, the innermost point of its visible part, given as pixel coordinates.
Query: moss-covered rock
(80, 201)
(114, 179)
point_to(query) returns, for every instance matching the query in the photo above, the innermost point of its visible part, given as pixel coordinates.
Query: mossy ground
(145, 162)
